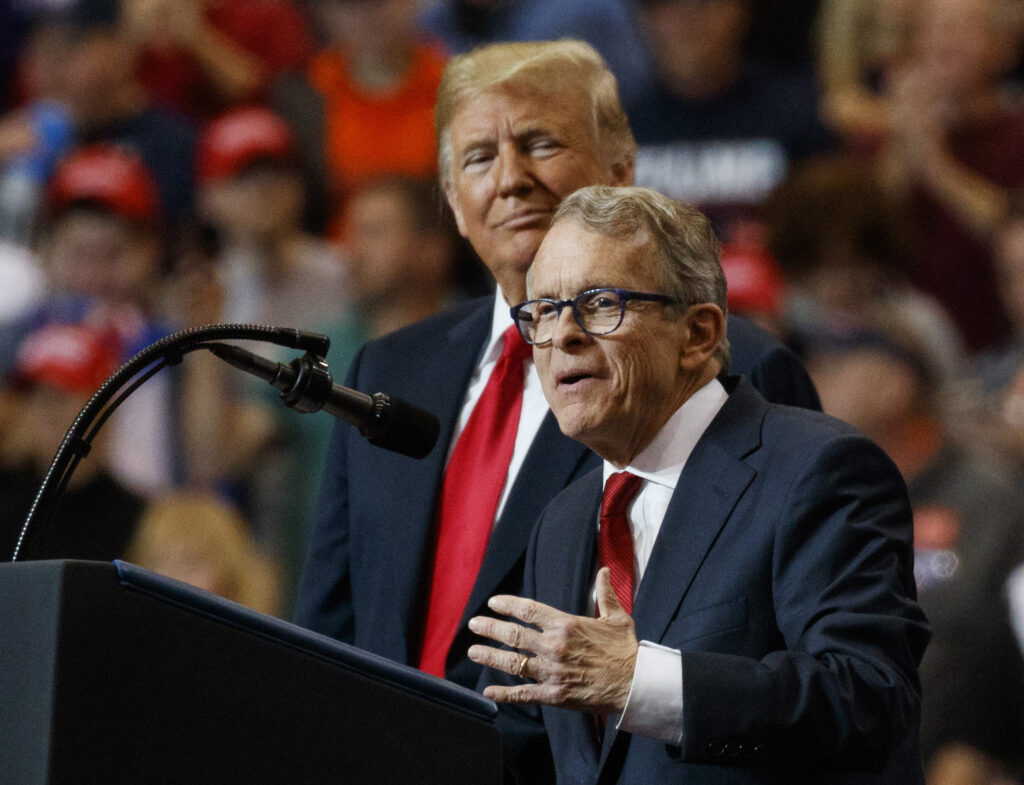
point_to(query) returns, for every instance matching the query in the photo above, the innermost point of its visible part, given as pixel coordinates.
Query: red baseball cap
(236, 138)
(753, 278)
(76, 358)
(109, 176)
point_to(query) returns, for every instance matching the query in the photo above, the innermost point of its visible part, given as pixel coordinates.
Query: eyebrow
(521, 136)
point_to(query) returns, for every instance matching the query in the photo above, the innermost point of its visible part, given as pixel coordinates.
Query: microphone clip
(311, 387)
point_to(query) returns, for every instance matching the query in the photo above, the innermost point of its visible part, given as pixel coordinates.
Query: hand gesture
(578, 662)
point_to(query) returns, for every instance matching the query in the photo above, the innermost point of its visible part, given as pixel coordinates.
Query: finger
(607, 600)
(523, 693)
(508, 632)
(526, 610)
(498, 659)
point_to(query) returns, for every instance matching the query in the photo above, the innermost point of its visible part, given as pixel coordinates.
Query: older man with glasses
(754, 591)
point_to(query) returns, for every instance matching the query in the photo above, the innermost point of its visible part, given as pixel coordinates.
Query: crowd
(172, 163)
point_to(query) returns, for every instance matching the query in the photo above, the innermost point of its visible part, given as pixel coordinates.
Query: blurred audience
(968, 536)
(200, 57)
(101, 246)
(991, 390)
(265, 268)
(110, 105)
(960, 764)
(401, 253)
(251, 193)
(756, 286)
(859, 42)
(718, 128)
(201, 540)
(847, 268)
(372, 103)
(607, 25)
(57, 370)
(952, 150)
(37, 133)
(782, 32)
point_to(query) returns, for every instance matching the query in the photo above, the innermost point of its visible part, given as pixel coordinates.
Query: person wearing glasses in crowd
(404, 552)
(760, 554)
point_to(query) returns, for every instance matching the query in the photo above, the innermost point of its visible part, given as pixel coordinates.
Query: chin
(524, 246)
(578, 429)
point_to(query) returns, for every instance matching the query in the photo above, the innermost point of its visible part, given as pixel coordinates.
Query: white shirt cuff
(654, 706)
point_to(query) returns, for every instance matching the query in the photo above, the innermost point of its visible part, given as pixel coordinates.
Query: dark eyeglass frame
(624, 295)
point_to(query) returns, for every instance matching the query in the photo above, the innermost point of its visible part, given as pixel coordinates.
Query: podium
(112, 674)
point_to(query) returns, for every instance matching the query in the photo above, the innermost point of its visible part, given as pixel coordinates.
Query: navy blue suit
(783, 572)
(371, 548)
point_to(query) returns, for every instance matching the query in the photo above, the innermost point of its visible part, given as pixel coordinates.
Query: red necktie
(615, 540)
(472, 487)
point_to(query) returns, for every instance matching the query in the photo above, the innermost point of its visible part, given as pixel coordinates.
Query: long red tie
(472, 487)
(615, 540)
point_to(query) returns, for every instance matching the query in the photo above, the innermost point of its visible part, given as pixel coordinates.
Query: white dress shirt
(654, 706)
(535, 407)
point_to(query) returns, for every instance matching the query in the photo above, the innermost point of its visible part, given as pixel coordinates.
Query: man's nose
(567, 331)
(514, 176)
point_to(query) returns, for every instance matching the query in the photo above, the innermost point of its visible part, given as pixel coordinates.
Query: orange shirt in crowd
(368, 135)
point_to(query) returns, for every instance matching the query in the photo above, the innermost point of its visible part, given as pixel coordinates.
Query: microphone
(306, 385)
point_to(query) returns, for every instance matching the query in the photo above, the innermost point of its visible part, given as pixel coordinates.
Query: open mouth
(571, 379)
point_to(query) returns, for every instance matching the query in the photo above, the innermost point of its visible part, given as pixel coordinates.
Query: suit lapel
(442, 388)
(711, 484)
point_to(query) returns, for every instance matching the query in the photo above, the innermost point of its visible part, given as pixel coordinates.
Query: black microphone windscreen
(406, 429)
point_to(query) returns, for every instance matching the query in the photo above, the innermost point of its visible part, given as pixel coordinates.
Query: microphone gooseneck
(305, 385)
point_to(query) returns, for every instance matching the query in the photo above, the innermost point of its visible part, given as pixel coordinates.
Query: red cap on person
(236, 138)
(108, 176)
(753, 279)
(76, 358)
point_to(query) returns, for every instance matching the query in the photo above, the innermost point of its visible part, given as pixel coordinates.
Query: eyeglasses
(596, 311)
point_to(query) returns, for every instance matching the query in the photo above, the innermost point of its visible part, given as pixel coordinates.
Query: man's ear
(622, 172)
(705, 325)
(452, 197)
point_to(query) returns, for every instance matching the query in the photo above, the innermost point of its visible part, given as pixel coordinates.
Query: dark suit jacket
(371, 546)
(783, 571)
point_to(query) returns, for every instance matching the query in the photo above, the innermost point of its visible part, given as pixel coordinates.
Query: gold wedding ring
(522, 665)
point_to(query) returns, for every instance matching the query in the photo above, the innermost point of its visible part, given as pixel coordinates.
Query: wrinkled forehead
(573, 258)
(552, 104)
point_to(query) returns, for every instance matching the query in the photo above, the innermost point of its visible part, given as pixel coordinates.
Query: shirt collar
(501, 320)
(662, 460)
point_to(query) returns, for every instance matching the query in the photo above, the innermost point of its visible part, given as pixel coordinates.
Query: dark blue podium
(113, 674)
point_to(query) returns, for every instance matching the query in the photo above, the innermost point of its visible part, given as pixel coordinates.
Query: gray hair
(689, 254)
(535, 68)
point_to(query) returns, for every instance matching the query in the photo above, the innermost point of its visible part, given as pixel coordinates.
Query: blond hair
(208, 531)
(543, 68)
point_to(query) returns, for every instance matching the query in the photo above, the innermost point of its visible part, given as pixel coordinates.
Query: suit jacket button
(716, 748)
(744, 750)
(759, 749)
(732, 750)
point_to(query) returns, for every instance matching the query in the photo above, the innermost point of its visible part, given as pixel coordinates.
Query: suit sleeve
(324, 600)
(841, 689)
